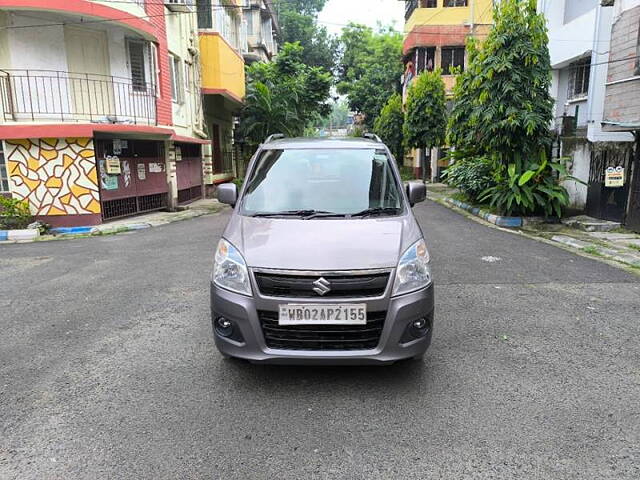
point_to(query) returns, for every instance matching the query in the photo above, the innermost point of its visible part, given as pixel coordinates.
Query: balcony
(428, 12)
(55, 96)
(182, 6)
(222, 68)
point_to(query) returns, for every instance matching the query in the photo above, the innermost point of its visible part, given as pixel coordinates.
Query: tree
(426, 112)
(298, 22)
(503, 109)
(370, 68)
(283, 96)
(502, 103)
(390, 124)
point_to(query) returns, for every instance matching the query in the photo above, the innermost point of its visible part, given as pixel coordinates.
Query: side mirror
(227, 193)
(417, 192)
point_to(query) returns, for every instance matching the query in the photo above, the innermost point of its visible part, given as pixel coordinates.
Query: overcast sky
(338, 13)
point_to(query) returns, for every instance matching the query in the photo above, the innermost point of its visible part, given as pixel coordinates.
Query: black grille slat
(322, 337)
(278, 285)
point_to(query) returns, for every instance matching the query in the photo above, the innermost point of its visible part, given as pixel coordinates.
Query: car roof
(313, 143)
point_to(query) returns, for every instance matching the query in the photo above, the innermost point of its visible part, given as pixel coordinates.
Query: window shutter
(136, 65)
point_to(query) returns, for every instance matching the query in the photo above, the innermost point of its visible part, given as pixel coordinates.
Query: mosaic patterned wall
(57, 176)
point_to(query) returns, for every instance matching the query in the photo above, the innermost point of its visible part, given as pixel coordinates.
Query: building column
(207, 170)
(172, 174)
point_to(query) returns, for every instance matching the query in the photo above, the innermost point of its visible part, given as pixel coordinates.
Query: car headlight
(414, 270)
(230, 270)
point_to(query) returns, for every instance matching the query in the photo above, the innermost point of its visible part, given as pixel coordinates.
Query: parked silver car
(322, 260)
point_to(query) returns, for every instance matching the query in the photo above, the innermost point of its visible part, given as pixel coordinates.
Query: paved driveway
(108, 370)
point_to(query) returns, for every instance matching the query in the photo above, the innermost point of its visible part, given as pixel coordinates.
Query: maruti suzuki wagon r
(322, 261)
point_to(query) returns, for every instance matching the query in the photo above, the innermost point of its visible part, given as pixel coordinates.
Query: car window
(344, 181)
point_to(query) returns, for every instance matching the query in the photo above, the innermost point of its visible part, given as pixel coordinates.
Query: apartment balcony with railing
(223, 40)
(56, 96)
(447, 12)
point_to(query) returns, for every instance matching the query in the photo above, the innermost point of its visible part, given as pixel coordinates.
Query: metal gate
(633, 213)
(189, 173)
(142, 184)
(608, 203)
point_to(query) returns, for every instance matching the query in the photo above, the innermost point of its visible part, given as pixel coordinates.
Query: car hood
(322, 244)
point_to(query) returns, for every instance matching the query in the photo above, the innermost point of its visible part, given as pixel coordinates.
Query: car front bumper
(394, 345)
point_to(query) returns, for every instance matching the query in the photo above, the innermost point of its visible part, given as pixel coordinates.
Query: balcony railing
(409, 7)
(44, 95)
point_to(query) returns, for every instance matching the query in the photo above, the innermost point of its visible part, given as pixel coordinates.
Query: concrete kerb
(507, 222)
(11, 236)
(25, 235)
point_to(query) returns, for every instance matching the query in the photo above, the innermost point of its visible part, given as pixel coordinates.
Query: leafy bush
(407, 173)
(14, 213)
(536, 190)
(471, 176)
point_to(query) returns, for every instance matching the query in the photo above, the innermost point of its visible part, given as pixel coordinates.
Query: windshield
(340, 181)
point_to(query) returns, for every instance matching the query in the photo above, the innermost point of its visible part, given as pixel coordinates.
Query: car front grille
(339, 285)
(322, 337)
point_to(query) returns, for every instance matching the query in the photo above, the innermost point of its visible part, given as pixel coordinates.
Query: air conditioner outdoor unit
(180, 5)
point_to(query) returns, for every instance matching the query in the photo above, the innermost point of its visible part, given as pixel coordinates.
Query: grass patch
(592, 251)
(633, 246)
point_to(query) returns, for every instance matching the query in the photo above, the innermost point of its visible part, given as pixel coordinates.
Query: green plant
(389, 126)
(238, 182)
(407, 173)
(533, 190)
(369, 69)
(425, 112)
(633, 246)
(471, 176)
(592, 251)
(14, 213)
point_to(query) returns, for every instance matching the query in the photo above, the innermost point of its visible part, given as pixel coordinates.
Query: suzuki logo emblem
(322, 286)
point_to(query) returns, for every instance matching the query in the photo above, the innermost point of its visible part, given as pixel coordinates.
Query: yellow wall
(482, 13)
(222, 66)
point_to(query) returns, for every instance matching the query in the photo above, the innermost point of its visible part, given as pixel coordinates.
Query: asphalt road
(108, 370)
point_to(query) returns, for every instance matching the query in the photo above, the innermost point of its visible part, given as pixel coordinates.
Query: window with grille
(137, 65)
(205, 17)
(579, 78)
(175, 70)
(425, 59)
(4, 177)
(452, 58)
(188, 77)
(455, 3)
(430, 4)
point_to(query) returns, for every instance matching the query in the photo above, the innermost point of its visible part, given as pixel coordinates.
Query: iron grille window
(425, 59)
(452, 58)
(579, 78)
(455, 3)
(205, 17)
(430, 3)
(4, 177)
(137, 65)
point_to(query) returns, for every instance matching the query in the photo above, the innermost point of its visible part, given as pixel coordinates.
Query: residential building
(223, 44)
(437, 31)
(622, 106)
(580, 46)
(101, 107)
(263, 31)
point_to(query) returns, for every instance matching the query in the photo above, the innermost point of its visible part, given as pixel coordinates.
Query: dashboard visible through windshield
(322, 182)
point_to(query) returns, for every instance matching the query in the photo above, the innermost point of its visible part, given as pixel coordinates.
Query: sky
(337, 13)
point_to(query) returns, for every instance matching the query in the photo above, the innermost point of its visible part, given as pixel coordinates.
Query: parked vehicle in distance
(322, 261)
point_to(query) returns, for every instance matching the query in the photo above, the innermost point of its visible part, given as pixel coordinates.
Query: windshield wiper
(294, 213)
(377, 211)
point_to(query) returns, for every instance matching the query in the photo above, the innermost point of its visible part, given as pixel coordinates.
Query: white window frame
(176, 74)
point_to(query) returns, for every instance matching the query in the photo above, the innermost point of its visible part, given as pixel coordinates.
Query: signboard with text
(614, 177)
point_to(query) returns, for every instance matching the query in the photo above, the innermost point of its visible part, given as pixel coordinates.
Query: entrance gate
(608, 203)
(142, 184)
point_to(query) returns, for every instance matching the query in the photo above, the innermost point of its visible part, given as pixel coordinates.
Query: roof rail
(372, 136)
(275, 136)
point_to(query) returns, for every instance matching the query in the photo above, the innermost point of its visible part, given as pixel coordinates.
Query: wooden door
(89, 83)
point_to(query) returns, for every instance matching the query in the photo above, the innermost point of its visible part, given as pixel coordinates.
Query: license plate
(352, 314)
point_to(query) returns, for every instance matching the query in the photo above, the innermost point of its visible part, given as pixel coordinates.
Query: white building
(579, 44)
